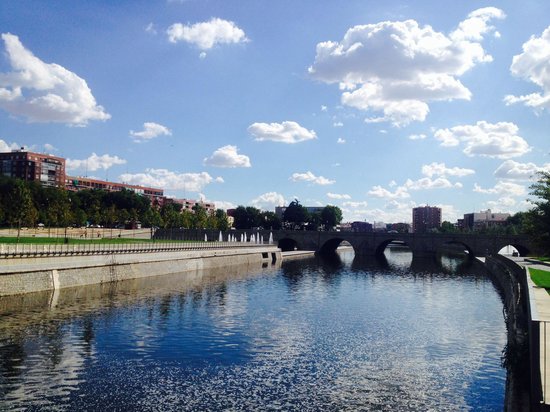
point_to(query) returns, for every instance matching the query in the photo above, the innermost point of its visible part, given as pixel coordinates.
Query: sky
(375, 107)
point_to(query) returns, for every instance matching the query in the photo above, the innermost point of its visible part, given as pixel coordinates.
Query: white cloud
(439, 169)
(150, 28)
(227, 156)
(417, 136)
(94, 162)
(224, 204)
(310, 177)
(49, 148)
(355, 205)
(396, 68)
(512, 170)
(427, 183)
(380, 192)
(206, 35)
(8, 147)
(338, 196)
(341, 140)
(150, 131)
(168, 180)
(496, 140)
(45, 92)
(285, 132)
(338, 124)
(502, 188)
(533, 65)
(324, 108)
(268, 201)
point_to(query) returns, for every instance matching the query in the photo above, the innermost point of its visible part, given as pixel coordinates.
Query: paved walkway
(539, 300)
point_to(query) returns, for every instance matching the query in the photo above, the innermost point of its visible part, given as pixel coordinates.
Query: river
(315, 334)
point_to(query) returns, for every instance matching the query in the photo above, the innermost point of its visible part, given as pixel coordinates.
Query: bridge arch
(287, 244)
(381, 247)
(522, 250)
(456, 247)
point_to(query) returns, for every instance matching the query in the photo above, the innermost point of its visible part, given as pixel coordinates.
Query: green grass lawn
(78, 241)
(540, 277)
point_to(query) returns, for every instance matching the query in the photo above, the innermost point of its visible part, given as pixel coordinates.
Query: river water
(314, 334)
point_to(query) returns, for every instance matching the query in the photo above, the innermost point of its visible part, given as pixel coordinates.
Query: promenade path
(540, 312)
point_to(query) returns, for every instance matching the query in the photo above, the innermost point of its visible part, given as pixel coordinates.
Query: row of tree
(25, 203)
(294, 217)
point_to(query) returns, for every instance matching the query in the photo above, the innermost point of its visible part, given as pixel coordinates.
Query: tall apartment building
(82, 183)
(483, 219)
(426, 218)
(21, 164)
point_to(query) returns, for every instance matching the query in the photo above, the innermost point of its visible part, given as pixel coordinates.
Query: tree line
(24, 203)
(27, 204)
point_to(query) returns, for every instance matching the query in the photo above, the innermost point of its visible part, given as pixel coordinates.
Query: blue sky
(375, 107)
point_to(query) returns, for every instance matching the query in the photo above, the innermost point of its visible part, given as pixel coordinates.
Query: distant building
(280, 210)
(363, 227)
(426, 218)
(189, 204)
(21, 164)
(155, 195)
(399, 227)
(483, 220)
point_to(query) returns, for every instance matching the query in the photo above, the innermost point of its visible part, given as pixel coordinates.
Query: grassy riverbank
(540, 277)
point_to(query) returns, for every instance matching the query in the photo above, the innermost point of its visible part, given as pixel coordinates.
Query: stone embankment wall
(37, 273)
(512, 284)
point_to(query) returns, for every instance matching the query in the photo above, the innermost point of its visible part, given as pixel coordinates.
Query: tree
(222, 222)
(447, 227)
(331, 216)
(270, 221)
(295, 215)
(247, 217)
(538, 218)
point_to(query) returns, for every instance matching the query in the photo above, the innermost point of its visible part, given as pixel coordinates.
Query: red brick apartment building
(84, 183)
(47, 169)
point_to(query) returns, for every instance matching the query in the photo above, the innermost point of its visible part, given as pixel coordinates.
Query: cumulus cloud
(355, 205)
(310, 177)
(285, 132)
(227, 156)
(206, 35)
(439, 169)
(338, 196)
(380, 192)
(512, 170)
(427, 183)
(496, 140)
(224, 204)
(533, 65)
(45, 92)
(502, 188)
(168, 180)
(8, 147)
(341, 140)
(398, 67)
(94, 162)
(268, 201)
(49, 148)
(150, 131)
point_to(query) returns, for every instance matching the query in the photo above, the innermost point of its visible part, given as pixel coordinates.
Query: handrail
(12, 251)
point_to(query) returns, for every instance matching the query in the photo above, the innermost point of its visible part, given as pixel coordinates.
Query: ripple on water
(332, 338)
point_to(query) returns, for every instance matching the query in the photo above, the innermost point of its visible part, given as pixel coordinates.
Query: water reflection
(326, 333)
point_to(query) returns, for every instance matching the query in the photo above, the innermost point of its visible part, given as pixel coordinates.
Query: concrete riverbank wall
(521, 386)
(34, 273)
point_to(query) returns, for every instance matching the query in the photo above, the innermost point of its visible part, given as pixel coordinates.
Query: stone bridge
(425, 244)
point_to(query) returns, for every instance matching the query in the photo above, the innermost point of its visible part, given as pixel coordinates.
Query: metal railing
(48, 250)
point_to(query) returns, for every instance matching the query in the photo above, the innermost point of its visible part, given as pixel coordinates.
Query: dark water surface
(315, 334)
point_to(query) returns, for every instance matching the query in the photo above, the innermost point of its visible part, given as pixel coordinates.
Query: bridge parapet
(421, 244)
